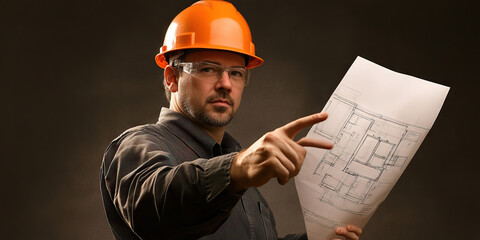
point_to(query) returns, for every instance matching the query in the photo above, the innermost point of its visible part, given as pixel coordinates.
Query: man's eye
(236, 73)
(207, 69)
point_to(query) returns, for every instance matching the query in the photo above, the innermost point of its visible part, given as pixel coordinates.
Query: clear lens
(213, 72)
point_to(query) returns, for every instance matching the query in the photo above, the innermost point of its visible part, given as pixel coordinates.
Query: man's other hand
(350, 232)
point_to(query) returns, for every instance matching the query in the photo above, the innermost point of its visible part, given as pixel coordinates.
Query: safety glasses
(212, 72)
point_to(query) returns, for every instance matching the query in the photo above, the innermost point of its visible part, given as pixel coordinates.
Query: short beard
(203, 117)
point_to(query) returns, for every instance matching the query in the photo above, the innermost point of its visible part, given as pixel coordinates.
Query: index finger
(292, 128)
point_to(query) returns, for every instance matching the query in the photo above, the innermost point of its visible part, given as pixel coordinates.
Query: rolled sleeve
(217, 175)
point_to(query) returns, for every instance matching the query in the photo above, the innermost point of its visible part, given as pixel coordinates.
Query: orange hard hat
(209, 24)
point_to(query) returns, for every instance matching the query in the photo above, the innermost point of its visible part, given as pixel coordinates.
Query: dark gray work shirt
(170, 180)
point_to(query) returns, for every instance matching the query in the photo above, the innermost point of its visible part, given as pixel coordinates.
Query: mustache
(221, 96)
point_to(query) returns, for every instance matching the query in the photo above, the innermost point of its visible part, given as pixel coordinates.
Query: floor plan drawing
(366, 146)
(377, 120)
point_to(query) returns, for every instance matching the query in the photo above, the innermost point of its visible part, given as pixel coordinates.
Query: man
(185, 177)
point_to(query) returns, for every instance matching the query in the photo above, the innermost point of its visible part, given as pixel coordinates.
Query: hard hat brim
(253, 61)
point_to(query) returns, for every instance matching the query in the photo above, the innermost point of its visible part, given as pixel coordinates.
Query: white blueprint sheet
(377, 120)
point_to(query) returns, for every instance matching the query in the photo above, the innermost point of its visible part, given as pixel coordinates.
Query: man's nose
(224, 82)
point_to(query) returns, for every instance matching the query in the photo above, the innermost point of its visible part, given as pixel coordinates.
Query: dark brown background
(75, 74)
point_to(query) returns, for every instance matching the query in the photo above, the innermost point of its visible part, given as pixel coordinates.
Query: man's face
(212, 104)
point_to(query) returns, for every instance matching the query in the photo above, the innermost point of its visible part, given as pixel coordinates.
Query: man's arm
(159, 198)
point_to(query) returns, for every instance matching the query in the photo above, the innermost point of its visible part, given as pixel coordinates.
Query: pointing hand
(275, 155)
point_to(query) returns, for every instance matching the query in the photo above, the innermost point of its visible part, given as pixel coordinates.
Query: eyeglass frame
(179, 64)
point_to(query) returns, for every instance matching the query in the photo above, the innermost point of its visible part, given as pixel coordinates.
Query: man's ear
(171, 78)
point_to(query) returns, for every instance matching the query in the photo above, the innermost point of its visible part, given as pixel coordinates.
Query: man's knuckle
(270, 137)
(266, 150)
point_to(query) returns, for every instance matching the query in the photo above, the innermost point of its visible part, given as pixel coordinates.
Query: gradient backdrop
(75, 74)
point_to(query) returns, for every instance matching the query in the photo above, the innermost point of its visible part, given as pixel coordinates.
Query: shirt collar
(197, 139)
